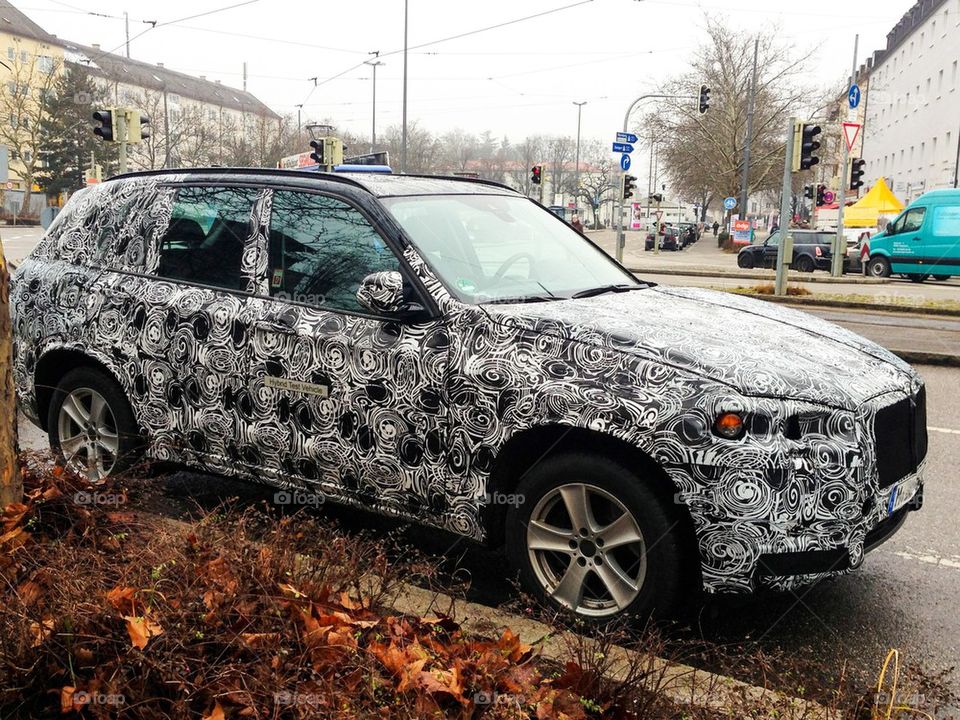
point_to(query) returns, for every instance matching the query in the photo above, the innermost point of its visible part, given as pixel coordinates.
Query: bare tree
(560, 154)
(24, 103)
(459, 150)
(597, 185)
(704, 153)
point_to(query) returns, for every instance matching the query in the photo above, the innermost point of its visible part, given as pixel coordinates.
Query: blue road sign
(622, 148)
(730, 203)
(624, 162)
(854, 96)
(626, 137)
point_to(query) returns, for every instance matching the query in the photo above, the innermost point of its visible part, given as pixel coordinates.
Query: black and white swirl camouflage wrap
(409, 418)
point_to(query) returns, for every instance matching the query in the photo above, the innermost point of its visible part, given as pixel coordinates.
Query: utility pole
(123, 131)
(839, 251)
(299, 123)
(126, 25)
(745, 183)
(782, 260)
(650, 186)
(374, 64)
(403, 140)
(576, 186)
(244, 75)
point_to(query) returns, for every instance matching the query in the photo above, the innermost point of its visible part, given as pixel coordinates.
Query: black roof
(379, 185)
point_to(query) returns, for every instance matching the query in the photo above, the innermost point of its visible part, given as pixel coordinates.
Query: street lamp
(403, 140)
(576, 188)
(374, 64)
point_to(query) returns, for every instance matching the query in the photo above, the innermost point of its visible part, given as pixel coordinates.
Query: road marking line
(953, 563)
(948, 431)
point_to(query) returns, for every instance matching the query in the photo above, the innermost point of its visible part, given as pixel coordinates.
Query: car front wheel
(745, 261)
(590, 537)
(879, 267)
(90, 425)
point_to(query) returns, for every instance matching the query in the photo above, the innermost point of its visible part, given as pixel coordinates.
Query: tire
(805, 264)
(878, 266)
(114, 443)
(941, 278)
(653, 563)
(918, 277)
(745, 261)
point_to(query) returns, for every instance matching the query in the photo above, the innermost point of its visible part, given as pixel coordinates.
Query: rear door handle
(275, 326)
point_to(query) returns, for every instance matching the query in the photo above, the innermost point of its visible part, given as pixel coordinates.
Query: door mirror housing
(385, 293)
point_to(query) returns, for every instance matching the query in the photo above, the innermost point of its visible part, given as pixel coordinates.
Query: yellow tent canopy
(868, 209)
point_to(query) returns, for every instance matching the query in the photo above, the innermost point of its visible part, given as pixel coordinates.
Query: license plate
(902, 493)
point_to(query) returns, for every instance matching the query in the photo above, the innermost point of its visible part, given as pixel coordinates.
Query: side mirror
(384, 293)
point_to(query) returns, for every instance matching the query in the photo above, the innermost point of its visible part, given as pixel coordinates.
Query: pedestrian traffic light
(805, 144)
(856, 173)
(105, 127)
(704, 99)
(536, 174)
(808, 192)
(821, 189)
(629, 185)
(317, 154)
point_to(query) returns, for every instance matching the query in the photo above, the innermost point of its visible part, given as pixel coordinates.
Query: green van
(923, 241)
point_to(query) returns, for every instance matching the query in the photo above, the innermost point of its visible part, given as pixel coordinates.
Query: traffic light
(144, 127)
(704, 99)
(629, 185)
(805, 144)
(317, 154)
(657, 198)
(536, 174)
(821, 189)
(808, 192)
(106, 127)
(856, 173)
(136, 124)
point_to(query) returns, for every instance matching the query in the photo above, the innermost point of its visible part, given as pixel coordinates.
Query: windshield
(496, 248)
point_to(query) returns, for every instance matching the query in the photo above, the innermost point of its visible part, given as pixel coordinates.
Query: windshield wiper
(605, 289)
(522, 299)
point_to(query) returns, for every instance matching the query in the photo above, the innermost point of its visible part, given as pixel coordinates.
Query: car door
(769, 251)
(942, 244)
(177, 316)
(348, 404)
(908, 251)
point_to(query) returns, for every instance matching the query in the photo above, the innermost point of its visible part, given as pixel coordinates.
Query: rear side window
(320, 250)
(946, 221)
(208, 230)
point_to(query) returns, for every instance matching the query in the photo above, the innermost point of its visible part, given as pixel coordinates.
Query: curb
(851, 305)
(921, 357)
(743, 275)
(681, 684)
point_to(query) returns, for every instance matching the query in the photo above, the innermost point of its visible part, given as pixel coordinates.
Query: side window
(913, 220)
(320, 250)
(946, 221)
(208, 229)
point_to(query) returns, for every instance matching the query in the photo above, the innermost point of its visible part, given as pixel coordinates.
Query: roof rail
(457, 178)
(267, 172)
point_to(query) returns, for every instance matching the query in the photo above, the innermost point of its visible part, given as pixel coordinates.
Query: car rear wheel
(941, 278)
(745, 261)
(90, 425)
(879, 266)
(805, 264)
(918, 278)
(590, 537)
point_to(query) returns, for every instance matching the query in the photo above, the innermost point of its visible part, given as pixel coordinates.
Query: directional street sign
(730, 203)
(622, 148)
(626, 137)
(851, 131)
(854, 96)
(624, 162)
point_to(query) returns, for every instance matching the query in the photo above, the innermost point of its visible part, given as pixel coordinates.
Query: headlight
(729, 425)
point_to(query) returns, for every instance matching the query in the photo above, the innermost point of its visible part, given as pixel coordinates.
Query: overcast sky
(515, 80)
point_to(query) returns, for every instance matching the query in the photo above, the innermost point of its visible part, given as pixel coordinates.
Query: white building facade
(912, 130)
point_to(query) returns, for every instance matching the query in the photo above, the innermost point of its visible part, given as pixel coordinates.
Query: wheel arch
(53, 365)
(527, 447)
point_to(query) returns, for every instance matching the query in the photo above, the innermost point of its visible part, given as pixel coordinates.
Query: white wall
(913, 109)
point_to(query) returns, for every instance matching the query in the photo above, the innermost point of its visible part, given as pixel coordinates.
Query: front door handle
(275, 326)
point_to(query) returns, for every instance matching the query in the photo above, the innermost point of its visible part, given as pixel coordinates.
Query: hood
(758, 348)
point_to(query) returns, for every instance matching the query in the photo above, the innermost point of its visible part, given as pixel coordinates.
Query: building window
(45, 63)
(23, 57)
(11, 54)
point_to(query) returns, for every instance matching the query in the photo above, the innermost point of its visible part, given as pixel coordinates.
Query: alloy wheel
(586, 550)
(87, 431)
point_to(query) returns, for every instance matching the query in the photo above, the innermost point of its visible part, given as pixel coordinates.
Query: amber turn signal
(729, 425)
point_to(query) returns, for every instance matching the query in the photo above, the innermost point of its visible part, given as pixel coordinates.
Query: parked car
(812, 250)
(690, 232)
(449, 352)
(923, 240)
(669, 240)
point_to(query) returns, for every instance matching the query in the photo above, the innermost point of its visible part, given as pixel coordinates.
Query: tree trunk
(11, 484)
(25, 205)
